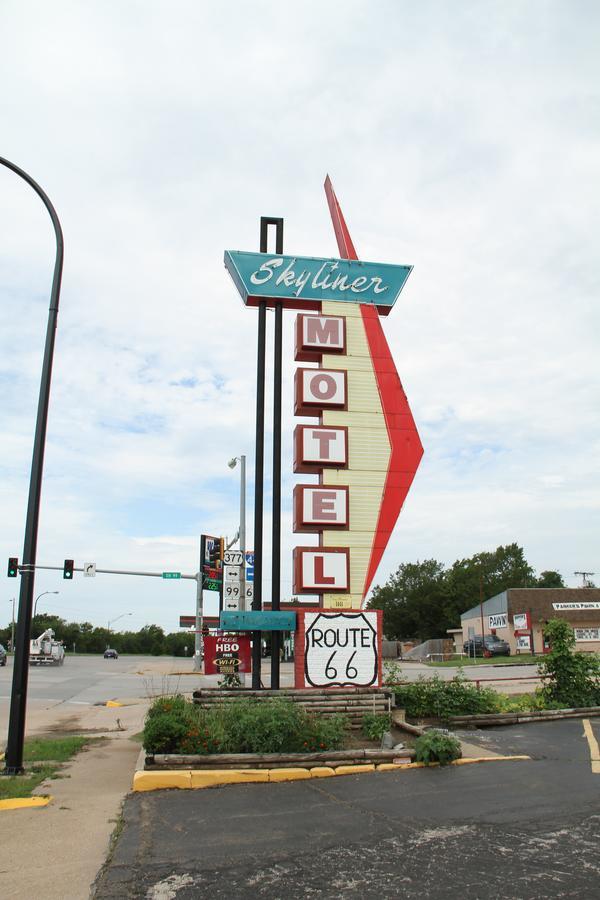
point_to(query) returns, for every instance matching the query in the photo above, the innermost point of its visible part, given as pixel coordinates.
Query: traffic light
(68, 569)
(205, 631)
(13, 567)
(215, 554)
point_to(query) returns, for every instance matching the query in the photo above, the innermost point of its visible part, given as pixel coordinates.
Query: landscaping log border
(331, 758)
(521, 718)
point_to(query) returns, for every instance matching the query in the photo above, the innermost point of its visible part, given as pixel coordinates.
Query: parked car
(110, 654)
(490, 646)
(2, 656)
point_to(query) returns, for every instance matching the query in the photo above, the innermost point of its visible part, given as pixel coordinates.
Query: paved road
(519, 830)
(84, 681)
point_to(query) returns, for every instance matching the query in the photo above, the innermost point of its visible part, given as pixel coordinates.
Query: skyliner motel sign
(365, 448)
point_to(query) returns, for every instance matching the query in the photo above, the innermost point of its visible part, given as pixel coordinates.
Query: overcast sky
(462, 138)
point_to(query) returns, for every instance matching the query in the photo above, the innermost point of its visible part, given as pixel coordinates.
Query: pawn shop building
(518, 616)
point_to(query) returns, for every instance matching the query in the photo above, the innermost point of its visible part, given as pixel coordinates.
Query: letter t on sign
(316, 447)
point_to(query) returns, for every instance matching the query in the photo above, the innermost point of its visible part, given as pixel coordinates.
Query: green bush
(433, 697)
(392, 673)
(164, 733)
(247, 725)
(572, 678)
(437, 746)
(374, 725)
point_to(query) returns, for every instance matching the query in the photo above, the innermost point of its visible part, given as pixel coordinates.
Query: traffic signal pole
(199, 608)
(18, 703)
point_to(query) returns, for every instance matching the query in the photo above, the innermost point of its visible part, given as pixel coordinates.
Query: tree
(413, 601)
(571, 679)
(422, 600)
(550, 579)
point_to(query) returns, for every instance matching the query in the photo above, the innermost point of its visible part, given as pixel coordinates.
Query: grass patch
(23, 785)
(42, 758)
(522, 659)
(57, 749)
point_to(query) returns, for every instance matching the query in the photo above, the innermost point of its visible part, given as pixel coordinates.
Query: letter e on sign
(320, 506)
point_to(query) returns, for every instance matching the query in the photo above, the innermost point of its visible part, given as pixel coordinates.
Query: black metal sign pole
(276, 523)
(18, 704)
(258, 489)
(265, 221)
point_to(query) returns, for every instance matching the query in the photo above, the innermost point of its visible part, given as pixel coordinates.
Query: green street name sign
(171, 574)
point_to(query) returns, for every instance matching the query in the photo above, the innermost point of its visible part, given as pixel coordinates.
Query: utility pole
(481, 614)
(584, 576)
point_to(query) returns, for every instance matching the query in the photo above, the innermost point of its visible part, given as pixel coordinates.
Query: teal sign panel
(256, 620)
(303, 282)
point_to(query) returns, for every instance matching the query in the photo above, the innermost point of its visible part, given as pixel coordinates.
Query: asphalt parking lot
(515, 829)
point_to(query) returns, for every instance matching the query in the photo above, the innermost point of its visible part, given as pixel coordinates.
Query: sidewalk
(57, 851)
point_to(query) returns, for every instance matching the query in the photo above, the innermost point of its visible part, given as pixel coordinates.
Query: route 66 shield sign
(341, 649)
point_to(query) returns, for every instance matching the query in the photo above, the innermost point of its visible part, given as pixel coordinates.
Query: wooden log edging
(331, 758)
(521, 718)
(354, 703)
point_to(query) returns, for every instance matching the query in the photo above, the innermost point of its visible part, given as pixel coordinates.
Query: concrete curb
(203, 778)
(24, 802)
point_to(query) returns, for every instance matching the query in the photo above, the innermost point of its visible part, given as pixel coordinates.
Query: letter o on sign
(323, 386)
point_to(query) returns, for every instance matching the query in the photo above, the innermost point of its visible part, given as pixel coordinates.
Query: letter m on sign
(316, 335)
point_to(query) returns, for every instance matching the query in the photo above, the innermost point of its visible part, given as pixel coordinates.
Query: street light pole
(242, 533)
(38, 597)
(18, 704)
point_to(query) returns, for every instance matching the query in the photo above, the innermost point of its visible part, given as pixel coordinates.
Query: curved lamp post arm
(16, 726)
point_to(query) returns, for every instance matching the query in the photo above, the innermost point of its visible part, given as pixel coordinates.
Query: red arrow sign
(406, 447)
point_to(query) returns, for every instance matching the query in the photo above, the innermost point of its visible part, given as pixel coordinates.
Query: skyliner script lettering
(323, 279)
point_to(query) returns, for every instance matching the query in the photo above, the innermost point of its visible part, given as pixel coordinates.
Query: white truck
(45, 651)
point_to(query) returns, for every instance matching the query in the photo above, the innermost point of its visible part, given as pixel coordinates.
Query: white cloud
(462, 140)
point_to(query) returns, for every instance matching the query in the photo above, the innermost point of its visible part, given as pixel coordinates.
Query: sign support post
(199, 609)
(276, 516)
(265, 221)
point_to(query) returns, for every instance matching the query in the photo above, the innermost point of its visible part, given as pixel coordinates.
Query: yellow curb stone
(158, 781)
(482, 759)
(24, 802)
(203, 778)
(215, 777)
(288, 774)
(354, 770)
